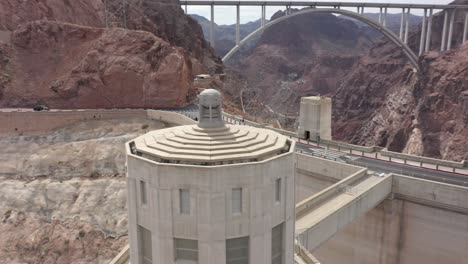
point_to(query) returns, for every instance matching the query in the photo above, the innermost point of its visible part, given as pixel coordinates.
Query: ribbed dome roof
(211, 146)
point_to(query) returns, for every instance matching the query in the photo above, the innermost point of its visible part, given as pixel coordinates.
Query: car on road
(40, 108)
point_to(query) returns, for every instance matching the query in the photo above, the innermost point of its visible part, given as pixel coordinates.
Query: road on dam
(384, 166)
(376, 165)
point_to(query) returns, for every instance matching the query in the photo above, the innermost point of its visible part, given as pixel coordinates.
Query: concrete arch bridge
(336, 8)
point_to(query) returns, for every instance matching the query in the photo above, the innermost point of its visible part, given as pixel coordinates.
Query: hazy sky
(225, 15)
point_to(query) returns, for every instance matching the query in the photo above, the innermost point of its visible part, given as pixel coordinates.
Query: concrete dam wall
(422, 222)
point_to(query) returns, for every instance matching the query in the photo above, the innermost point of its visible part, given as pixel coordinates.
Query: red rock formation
(70, 66)
(82, 12)
(384, 102)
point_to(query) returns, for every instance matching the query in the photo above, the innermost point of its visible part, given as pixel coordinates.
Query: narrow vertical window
(278, 190)
(145, 245)
(143, 197)
(184, 201)
(237, 200)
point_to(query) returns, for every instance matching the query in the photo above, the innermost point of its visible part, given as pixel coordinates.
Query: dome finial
(211, 114)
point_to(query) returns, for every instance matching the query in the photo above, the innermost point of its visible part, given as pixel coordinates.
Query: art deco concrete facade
(315, 118)
(192, 189)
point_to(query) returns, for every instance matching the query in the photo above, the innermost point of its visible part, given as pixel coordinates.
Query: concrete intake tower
(211, 193)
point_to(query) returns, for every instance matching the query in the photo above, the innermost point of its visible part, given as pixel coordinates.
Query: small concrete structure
(211, 193)
(315, 118)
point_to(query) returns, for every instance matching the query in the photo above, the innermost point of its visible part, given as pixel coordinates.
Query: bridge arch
(413, 58)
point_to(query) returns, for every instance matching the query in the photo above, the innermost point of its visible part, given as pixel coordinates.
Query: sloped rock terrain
(63, 195)
(388, 104)
(70, 66)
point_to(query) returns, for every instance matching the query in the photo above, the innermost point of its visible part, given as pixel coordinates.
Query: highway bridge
(343, 8)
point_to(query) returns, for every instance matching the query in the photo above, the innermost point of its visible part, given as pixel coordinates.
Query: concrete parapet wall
(436, 194)
(356, 174)
(351, 146)
(230, 117)
(447, 163)
(309, 165)
(33, 123)
(29, 122)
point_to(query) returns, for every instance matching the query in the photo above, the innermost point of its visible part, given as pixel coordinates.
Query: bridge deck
(314, 3)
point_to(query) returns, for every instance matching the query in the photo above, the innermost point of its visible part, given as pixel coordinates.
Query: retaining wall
(34, 123)
(29, 122)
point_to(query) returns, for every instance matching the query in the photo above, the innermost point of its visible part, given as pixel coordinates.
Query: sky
(226, 15)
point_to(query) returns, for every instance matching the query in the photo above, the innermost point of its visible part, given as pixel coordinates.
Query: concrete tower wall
(315, 118)
(211, 221)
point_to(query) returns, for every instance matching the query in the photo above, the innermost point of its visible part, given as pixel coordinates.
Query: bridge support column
(407, 25)
(380, 16)
(384, 23)
(212, 33)
(237, 24)
(362, 10)
(429, 30)
(423, 33)
(402, 22)
(465, 28)
(263, 15)
(450, 33)
(186, 9)
(444, 31)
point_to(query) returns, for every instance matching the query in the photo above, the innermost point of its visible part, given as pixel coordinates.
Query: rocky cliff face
(382, 101)
(378, 99)
(61, 55)
(305, 55)
(70, 66)
(388, 104)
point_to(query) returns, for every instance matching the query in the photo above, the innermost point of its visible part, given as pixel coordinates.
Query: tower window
(143, 195)
(278, 190)
(277, 246)
(145, 245)
(186, 249)
(237, 200)
(237, 250)
(184, 201)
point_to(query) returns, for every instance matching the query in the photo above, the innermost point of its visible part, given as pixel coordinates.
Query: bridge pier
(402, 22)
(429, 30)
(263, 15)
(407, 25)
(380, 16)
(465, 28)
(444, 31)
(450, 34)
(237, 24)
(423, 33)
(385, 18)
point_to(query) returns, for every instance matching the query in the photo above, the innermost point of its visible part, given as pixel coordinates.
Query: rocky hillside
(63, 195)
(61, 55)
(225, 35)
(304, 55)
(378, 99)
(386, 103)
